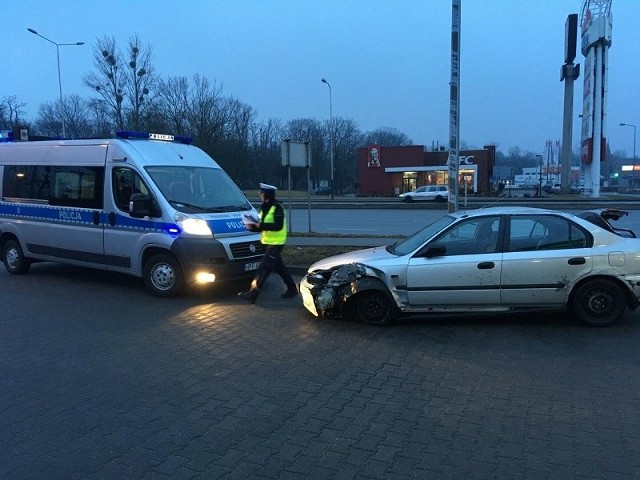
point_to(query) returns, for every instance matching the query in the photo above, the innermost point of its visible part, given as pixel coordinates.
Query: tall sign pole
(595, 24)
(454, 107)
(569, 73)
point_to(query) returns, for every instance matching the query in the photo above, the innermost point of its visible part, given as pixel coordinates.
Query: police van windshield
(198, 189)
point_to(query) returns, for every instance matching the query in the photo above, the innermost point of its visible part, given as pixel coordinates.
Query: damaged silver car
(493, 260)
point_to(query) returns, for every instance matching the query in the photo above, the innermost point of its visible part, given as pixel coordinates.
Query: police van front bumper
(198, 256)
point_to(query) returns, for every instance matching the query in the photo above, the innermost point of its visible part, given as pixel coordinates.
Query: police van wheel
(14, 259)
(163, 276)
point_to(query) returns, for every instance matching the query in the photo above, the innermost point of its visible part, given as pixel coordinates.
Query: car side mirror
(139, 205)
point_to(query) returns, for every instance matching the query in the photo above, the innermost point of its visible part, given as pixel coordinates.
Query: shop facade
(389, 171)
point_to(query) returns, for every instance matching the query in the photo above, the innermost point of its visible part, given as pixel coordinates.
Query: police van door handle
(112, 219)
(96, 217)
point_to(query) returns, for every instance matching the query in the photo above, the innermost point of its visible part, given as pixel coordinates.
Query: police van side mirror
(139, 205)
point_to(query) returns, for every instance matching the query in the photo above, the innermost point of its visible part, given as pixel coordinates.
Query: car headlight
(193, 226)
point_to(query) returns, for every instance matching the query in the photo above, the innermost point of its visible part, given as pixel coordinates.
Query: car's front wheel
(374, 307)
(163, 276)
(598, 303)
(14, 259)
(408, 198)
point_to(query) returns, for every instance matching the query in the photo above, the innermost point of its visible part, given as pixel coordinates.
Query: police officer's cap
(268, 189)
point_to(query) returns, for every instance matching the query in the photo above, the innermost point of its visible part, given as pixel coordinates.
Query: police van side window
(125, 183)
(69, 186)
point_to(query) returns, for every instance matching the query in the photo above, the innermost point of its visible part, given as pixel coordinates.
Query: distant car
(438, 193)
(576, 188)
(322, 191)
(491, 260)
(552, 188)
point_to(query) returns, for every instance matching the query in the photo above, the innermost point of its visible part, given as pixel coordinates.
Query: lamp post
(58, 45)
(633, 172)
(540, 176)
(324, 80)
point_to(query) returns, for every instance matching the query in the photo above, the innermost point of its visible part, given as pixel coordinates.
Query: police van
(149, 205)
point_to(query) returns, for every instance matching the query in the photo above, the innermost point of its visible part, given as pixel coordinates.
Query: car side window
(126, 182)
(544, 232)
(471, 237)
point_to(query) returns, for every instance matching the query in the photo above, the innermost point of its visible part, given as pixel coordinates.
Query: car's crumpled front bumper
(324, 293)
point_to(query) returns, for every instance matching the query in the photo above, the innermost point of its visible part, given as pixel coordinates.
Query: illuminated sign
(161, 136)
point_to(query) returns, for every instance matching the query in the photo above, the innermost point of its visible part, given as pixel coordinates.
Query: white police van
(149, 205)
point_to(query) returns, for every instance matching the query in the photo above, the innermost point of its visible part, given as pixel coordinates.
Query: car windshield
(198, 189)
(419, 238)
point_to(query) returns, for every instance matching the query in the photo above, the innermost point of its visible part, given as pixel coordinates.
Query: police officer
(273, 225)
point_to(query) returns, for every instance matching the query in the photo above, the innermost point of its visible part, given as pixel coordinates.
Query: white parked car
(489, 260)
(439, 193)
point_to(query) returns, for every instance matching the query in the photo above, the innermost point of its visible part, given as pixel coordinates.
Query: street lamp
(633, 176)
(324, 80)
(540, 176)
(58, 45)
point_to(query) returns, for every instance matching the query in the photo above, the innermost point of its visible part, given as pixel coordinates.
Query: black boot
(292, 291)
(250, 295)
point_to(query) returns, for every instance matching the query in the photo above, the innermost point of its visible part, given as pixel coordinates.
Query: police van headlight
(193, 226)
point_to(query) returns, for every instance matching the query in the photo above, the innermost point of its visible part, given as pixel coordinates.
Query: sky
(387, 61)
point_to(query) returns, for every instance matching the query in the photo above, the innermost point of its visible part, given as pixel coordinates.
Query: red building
(388, 171)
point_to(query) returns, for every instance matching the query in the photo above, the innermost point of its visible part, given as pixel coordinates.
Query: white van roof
(145, 152)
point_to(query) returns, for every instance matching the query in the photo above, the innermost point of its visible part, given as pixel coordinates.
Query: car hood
(366, 257)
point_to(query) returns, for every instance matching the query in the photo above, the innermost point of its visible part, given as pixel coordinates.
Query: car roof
(509, 210)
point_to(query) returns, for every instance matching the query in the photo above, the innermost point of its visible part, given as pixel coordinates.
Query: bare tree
(265, 159)
(48, 122)
(100, 118)
(116, 81)
(233, 149)
(140, 79)
(205, 117)
(172, 105)
(11, 112)
(76, 113)
(387, 137)
(109, 78)
(347, 139)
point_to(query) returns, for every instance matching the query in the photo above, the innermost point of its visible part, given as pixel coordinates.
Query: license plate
(251, 266)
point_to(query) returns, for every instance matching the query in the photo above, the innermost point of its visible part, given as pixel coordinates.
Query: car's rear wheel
(439, 198)
(598, 303)
(374, 307)
(163, 276)
(14, 259)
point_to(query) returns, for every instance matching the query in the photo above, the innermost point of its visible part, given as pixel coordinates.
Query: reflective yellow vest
(270, 237)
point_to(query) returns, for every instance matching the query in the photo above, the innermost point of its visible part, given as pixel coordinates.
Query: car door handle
(486, 265)
(577, 261)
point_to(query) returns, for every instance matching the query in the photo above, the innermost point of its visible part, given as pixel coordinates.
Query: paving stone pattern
(100, 380)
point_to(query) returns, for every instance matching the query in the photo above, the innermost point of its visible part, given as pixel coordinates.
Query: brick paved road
(100, 380)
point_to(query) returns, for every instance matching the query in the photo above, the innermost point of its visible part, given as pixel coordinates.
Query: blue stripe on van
(80, 217)
(85, 216)
(46, 212)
